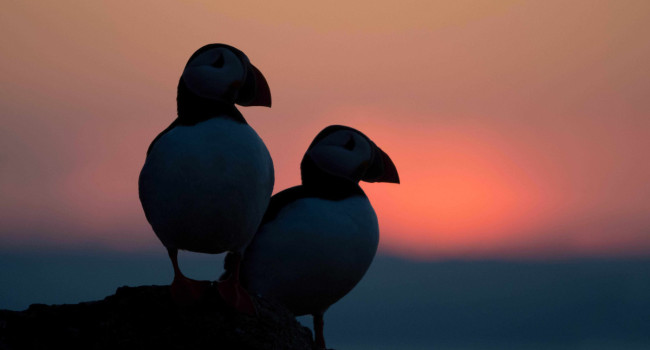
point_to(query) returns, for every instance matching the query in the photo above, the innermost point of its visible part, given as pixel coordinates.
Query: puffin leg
(231, 290)
(318, 330)
(185, 291)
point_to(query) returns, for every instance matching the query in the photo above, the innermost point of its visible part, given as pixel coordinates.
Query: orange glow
(459, 188)
(519, 128)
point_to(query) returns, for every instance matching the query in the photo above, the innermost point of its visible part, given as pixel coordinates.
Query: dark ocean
(400, 304)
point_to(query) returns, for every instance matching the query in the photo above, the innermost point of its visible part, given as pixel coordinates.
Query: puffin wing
(281, 199)
(171, 126)
(277, 203)
(311, 251)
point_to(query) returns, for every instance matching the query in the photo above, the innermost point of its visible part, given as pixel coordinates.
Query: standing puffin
(317, 240)
(208, 178)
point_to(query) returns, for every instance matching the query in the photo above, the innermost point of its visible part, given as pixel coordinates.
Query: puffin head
(222, 74)
(340, 153)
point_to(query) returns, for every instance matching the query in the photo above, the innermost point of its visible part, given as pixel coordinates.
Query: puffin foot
(186, 291)
(236, 296)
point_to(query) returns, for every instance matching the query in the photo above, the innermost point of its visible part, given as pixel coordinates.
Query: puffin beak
(381, 169)
(255, 91)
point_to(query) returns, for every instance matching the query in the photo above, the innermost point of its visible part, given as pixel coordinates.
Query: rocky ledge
(146, 318)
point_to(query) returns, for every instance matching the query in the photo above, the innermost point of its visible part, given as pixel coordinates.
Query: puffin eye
(350, 144)
(219, 62)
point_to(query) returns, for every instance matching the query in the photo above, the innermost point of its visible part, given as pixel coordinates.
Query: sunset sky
(520, 129)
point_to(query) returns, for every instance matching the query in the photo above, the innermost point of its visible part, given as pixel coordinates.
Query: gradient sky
(519, 128)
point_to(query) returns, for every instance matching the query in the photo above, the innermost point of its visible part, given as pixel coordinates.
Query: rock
(146, 318)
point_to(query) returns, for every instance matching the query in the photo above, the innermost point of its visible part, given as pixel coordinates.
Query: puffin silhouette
(317, 240)
(208, 177)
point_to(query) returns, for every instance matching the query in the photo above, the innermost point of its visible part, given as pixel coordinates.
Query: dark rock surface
(146, 318)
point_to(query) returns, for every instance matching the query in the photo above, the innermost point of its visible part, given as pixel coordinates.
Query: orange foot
(236, 296)
(186, 291)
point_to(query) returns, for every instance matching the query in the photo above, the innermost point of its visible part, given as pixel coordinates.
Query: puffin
(318, 239)
(208, 177)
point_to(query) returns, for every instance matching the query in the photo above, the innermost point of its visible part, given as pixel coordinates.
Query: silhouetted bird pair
(206, 187)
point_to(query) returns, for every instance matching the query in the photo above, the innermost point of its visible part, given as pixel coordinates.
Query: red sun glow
(459, 187)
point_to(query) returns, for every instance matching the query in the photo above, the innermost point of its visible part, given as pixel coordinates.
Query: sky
(520, 129)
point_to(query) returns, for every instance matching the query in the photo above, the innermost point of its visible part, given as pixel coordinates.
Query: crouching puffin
(317, 240)
(208, 177)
